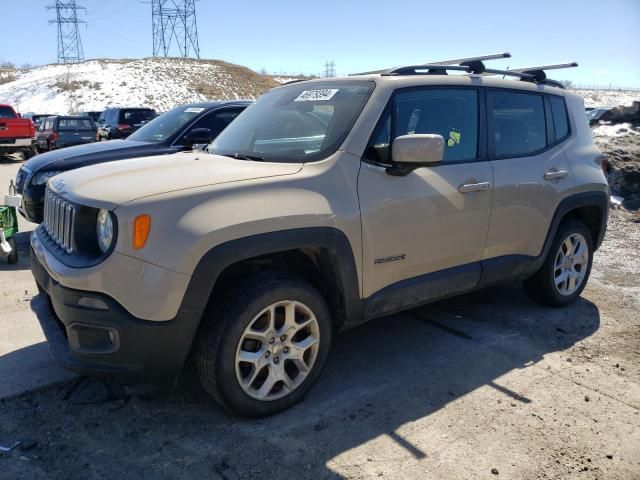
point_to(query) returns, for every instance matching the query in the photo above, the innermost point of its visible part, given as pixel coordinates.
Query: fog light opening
(92, 303)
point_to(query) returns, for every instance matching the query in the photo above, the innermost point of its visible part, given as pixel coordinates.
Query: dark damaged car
(180, 129)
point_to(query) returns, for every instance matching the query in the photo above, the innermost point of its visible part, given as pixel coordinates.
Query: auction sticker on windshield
(194, 110)
(315, 95)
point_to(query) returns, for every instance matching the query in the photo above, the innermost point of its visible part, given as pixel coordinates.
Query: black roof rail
(539, 72)
(475, 65)
(475, 62)
(296, 81)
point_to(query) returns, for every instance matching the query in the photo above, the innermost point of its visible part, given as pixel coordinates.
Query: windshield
(75, 124)
(298, 123)
(167, 124)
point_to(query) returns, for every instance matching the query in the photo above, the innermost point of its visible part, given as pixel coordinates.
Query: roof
(406, 81)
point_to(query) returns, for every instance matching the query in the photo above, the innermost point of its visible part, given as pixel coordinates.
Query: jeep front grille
(59, 220)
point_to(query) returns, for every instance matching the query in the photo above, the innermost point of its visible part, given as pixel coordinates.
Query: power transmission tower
(174, 20)
(329, 69)
(69, 42)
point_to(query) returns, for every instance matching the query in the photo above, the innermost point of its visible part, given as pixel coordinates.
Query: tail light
(124, 126)
(32, 129)
(53, 137)
(603, 164)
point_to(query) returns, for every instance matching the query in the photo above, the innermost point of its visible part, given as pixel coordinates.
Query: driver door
(424, 233)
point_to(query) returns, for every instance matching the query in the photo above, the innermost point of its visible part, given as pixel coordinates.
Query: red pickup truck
(16, 134)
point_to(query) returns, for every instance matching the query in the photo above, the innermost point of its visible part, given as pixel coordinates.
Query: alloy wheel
(277, 350)
(571, 264)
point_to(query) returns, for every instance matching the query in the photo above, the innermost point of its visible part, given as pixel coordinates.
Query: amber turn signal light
(141, 229)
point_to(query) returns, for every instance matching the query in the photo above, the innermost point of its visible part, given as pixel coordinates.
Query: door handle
(474, 187)
(554, 174)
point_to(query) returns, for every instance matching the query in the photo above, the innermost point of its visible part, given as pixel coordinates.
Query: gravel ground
(487, 385)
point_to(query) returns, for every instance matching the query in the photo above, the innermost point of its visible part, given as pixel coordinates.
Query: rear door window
(518, 123)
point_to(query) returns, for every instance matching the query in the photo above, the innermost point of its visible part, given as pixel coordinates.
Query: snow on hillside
(607, 98)
(160, 83)
(163, 83)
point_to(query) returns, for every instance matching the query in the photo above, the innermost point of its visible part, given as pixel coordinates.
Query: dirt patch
(620, 144)
(463, 388)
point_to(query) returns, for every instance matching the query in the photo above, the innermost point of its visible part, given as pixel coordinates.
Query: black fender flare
(520, 267)
(585, 199)
(330, 239)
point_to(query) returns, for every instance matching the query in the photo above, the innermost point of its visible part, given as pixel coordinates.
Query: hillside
(160, 83)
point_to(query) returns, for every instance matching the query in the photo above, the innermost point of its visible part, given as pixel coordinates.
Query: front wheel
(566, 269)
(264, 345)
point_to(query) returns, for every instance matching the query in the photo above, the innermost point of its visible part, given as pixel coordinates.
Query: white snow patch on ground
(615, 130)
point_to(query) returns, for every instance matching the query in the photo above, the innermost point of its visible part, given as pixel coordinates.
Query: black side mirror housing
(197, 136)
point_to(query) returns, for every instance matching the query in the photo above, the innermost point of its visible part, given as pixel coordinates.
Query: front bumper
(92, 334)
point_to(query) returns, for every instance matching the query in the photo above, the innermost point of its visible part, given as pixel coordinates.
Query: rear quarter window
(560, 121)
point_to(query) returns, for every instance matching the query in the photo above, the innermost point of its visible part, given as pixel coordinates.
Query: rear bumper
(17, 144)
(92, 334)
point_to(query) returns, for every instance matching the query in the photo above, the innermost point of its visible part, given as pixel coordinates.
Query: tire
(245, 308)
(13, 256)
(542, 286)
(27, 154)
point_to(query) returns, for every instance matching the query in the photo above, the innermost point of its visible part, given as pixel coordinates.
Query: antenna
(175, 20)
(69, 42)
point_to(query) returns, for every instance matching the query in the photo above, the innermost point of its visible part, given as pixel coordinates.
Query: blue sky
(297, 36)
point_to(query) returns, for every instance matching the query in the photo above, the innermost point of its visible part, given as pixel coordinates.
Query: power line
(174, 20)
(69, 41)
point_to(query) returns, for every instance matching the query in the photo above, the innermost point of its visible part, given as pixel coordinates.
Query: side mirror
(197, 136)
(413, 151)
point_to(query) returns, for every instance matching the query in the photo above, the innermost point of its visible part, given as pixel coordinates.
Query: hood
(87, 154)
(108, 185)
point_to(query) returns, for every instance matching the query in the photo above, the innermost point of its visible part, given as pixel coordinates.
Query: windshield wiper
(244, 156)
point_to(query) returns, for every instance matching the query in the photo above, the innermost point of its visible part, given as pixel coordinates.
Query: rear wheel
(264, 345)
(566, 269)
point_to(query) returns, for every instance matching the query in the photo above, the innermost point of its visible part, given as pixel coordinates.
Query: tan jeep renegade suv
(327, 203)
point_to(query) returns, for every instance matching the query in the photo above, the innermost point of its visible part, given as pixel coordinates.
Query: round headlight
(104, 230)
(42, 177)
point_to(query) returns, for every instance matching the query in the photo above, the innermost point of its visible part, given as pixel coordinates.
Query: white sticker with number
(194, 110)
(316, 95)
